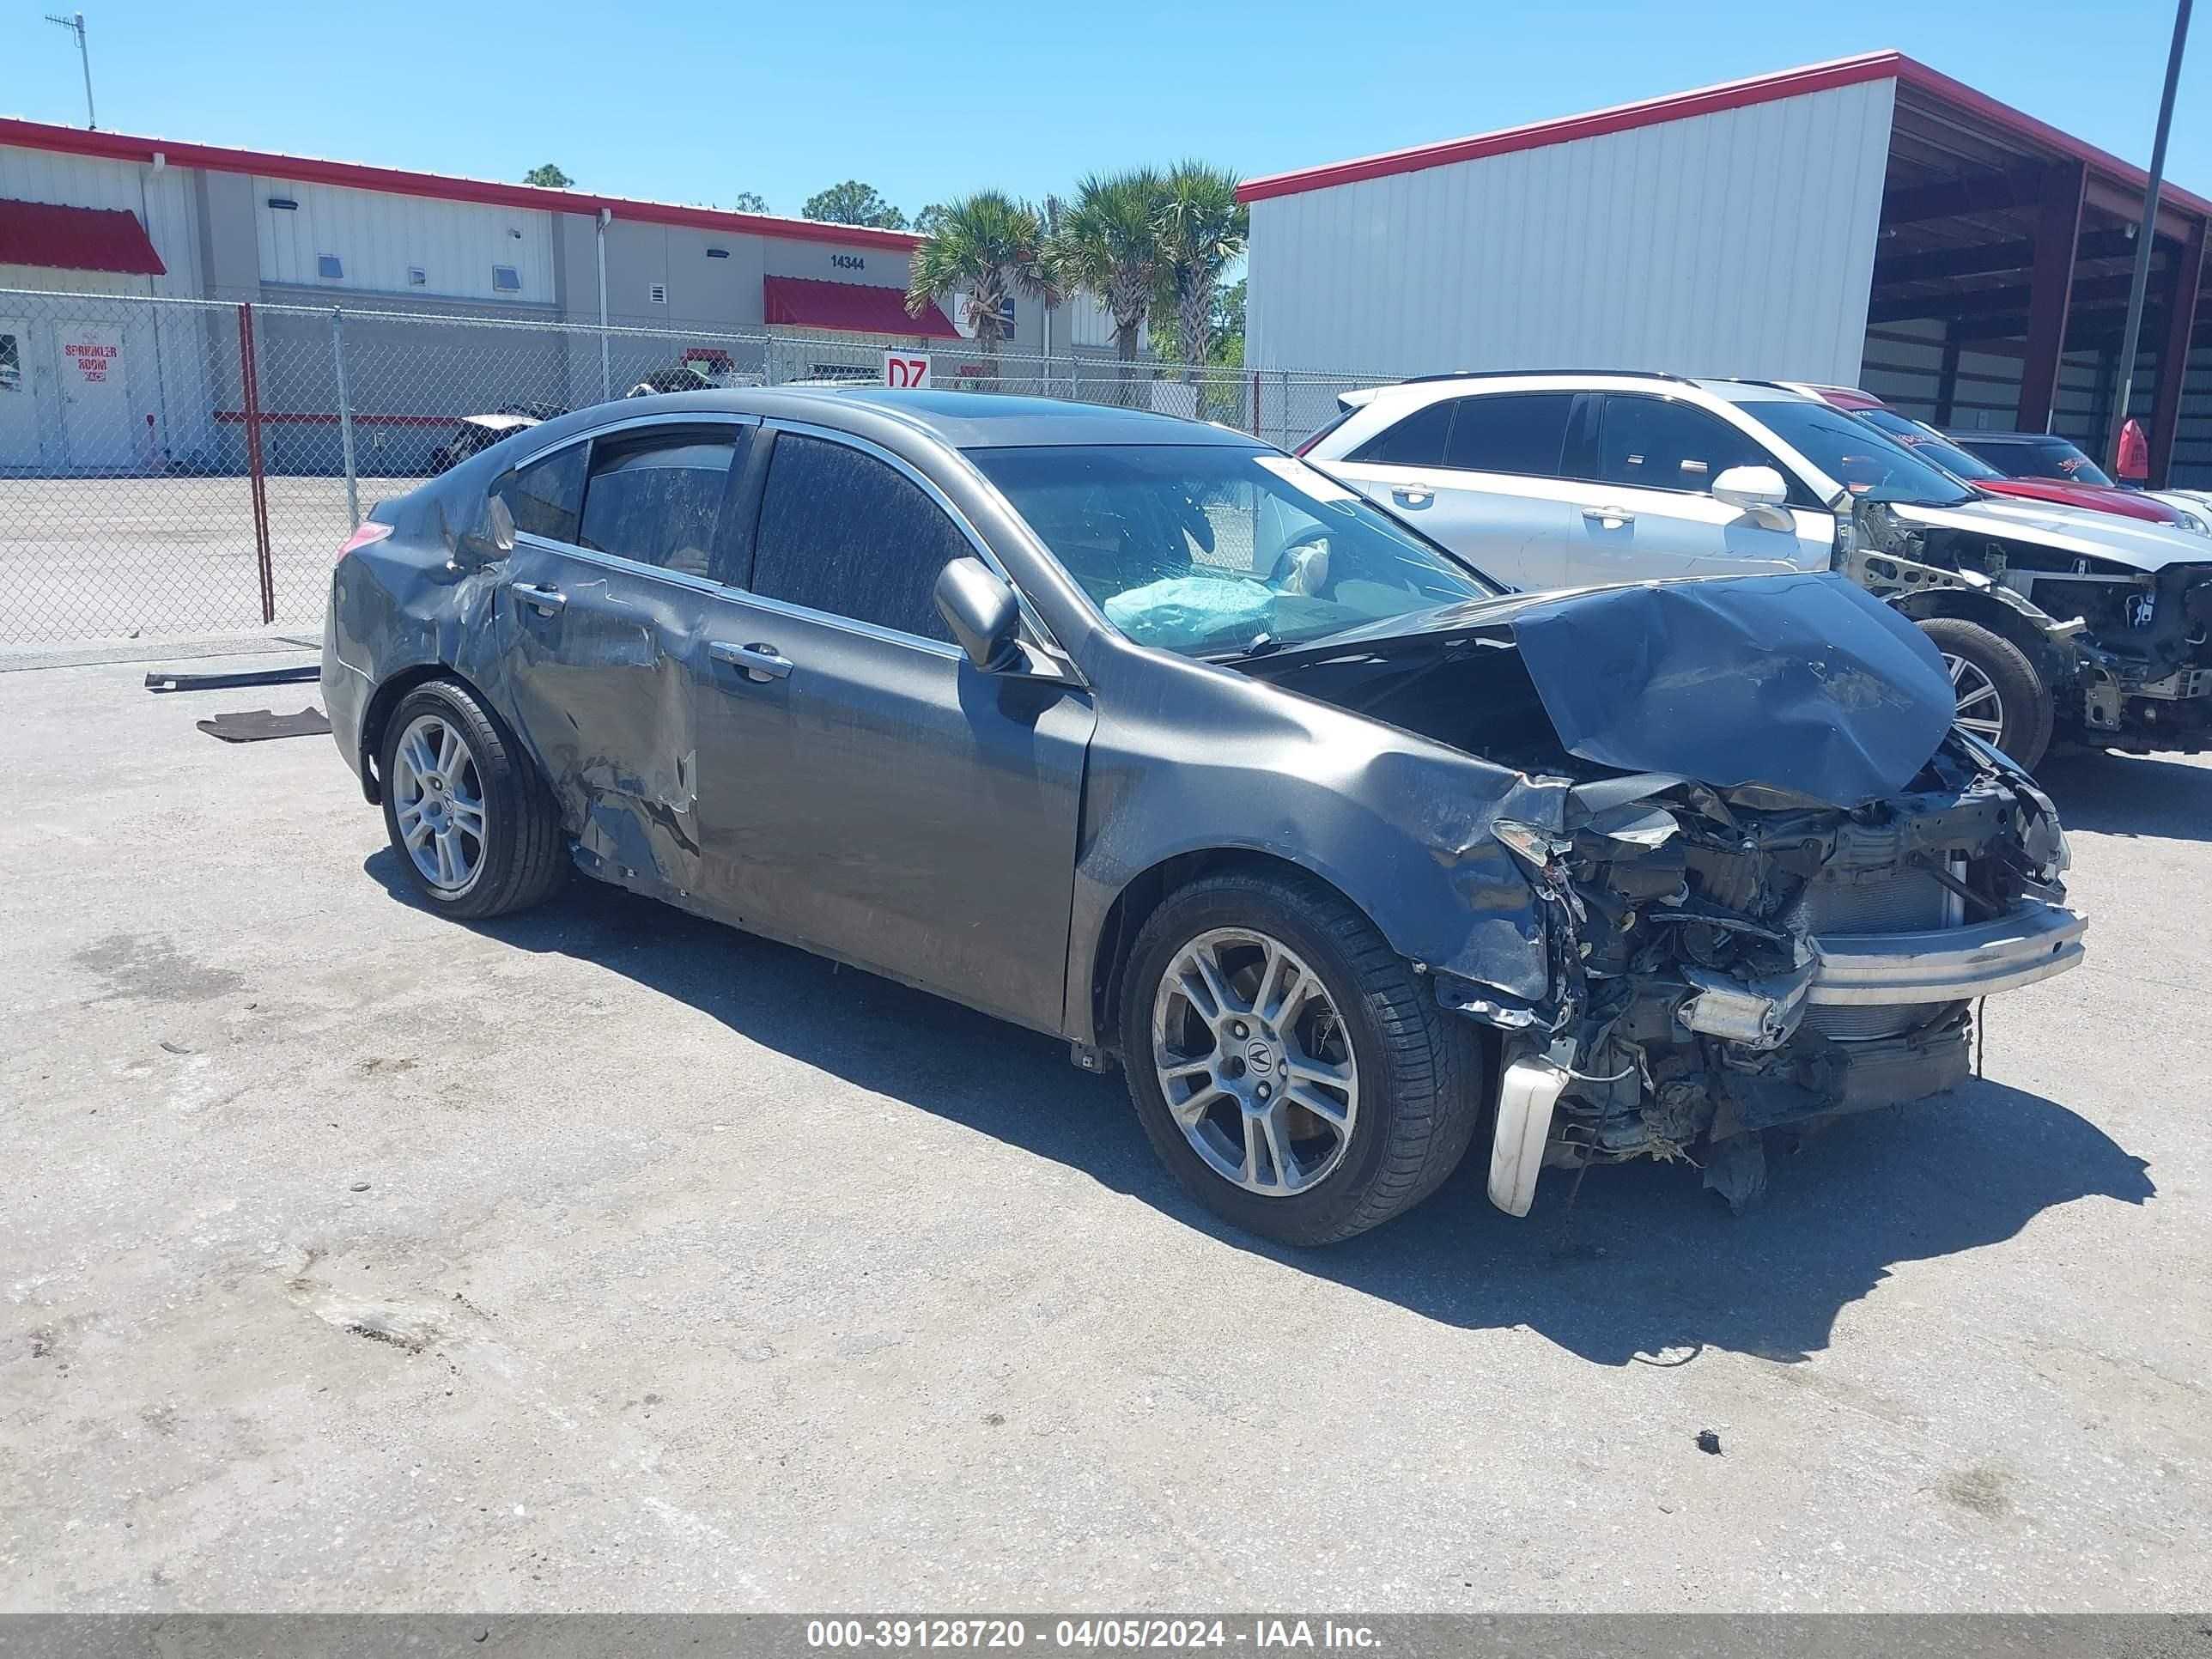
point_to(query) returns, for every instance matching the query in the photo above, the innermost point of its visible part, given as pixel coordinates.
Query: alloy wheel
(438, 798)
(1254, 1061)
(1981, 708)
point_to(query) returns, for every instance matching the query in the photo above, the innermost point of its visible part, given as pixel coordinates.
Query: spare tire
(2001, 698)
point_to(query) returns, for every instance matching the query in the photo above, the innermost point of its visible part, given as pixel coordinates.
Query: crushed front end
(2124, 644)
(1729, 962)
(1758, 879)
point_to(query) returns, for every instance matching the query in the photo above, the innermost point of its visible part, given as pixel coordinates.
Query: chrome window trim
(639, 423)
(615, 560)
(844, 624)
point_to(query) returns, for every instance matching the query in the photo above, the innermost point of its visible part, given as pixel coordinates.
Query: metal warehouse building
(1865, 221)
(132, 386)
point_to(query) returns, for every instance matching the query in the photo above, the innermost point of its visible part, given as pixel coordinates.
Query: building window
(506, 279)
(658, 294)
(329, 267)
(416, 276)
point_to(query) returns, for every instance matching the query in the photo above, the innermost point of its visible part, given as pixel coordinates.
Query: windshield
(1869, 463)
(1209, 549)
(1929, 444)
(2047, 458)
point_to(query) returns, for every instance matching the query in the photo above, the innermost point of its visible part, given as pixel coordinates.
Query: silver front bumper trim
(1949, 965)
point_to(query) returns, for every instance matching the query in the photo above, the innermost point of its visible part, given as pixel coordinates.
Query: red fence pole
(250, 389)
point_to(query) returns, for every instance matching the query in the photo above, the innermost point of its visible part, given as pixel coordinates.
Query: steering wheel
(1287, 564)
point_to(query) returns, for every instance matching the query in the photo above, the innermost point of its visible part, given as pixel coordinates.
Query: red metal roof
(77, 239)
(1710, 100)
(307, 170)
(848, 307)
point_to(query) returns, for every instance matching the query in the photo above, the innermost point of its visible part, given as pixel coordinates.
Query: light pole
(2132, 336)
(74, 23)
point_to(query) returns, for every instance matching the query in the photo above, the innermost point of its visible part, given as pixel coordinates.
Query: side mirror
(982, 612)
(1751, 488)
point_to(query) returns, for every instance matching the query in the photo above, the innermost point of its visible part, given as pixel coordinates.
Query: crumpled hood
(1807, 683)
(2073, 531)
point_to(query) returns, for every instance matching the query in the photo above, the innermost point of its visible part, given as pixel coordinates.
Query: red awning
(77, 239)
(849, 308)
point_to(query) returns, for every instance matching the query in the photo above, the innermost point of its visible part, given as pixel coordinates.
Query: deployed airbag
(1807, 683)
(1181, 611)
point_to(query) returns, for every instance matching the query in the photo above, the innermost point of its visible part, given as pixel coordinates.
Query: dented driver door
(619, 538)
(864, 789)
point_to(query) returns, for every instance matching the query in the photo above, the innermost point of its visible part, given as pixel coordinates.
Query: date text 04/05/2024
(1093, 1634)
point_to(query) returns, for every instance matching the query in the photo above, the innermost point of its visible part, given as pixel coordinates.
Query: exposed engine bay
(2127, 652)
(1730, 957)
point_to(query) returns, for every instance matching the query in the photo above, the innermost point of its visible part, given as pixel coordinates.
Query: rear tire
(1418, 1076)
(475, 827)
(1991, 672)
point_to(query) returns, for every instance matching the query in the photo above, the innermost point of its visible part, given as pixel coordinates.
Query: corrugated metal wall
(161, 197)
(161, 368)
(1737, 243)
(379, 237)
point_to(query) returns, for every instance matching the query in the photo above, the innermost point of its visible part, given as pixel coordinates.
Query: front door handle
(1608, 515)
(546, 598)
(759, 661)
(1412, 495)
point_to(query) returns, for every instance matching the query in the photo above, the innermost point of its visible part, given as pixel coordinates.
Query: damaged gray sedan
(1144, 735)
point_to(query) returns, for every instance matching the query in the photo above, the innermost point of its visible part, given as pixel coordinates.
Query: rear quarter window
(1417, 440)
(546, 497)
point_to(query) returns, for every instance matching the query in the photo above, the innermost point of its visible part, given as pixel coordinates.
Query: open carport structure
(1867, 220)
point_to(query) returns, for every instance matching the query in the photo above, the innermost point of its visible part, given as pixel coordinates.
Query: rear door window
(657, 497)
(1419, 440)
(1518, 432)
(546, 498)
(843, 533)
(1657, 443)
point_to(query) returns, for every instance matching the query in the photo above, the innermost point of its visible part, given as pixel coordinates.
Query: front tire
(475, 827)
(1287, 1065)
(2000, 698)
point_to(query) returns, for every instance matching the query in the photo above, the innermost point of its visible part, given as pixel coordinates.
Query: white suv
(1564, 479)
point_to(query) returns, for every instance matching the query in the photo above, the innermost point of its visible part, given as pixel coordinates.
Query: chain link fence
(173, 467)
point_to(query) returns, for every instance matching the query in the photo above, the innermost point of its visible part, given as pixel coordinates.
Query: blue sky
(695, 102)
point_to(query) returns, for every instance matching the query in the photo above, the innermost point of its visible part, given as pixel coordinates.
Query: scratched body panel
(604, 691)
(896, 807)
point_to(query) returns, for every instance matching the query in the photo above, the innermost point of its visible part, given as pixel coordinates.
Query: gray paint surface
(722, 1278)
(999, 836)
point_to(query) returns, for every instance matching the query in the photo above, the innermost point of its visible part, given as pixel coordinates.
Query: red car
(2083, 485)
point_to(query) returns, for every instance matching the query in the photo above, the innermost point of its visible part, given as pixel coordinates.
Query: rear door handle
(759, 661)
(1413, 494)
(544, 596)
(1608, 515)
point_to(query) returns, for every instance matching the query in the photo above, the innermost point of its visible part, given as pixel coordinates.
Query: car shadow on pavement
(1643, 1266)
(2112, 794)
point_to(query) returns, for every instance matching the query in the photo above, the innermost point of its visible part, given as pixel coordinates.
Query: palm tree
(1110, 244)
(991, 247)
(1203, 230)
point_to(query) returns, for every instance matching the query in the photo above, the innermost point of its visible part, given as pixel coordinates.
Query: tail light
(369, 532)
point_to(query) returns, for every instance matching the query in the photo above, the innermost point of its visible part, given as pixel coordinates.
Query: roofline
(1712, 101)
(398, 181)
